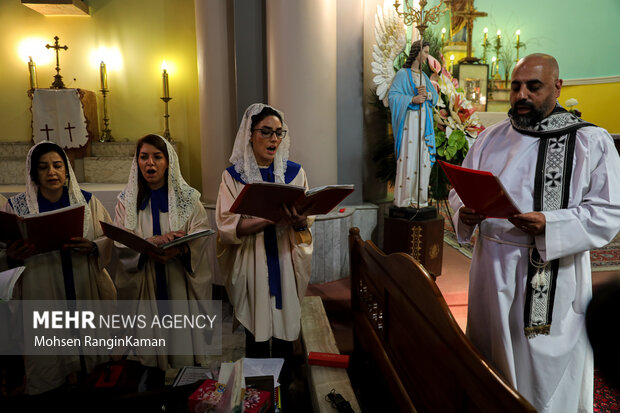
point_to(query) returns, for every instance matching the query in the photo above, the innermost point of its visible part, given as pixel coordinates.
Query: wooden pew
(316, 335)
(403, 323)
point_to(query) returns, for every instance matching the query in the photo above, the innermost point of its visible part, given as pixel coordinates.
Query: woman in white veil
(157, 204)
(50, 185)
(266, 264)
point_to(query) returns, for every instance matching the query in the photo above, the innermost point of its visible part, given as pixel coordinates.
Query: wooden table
(317, 335)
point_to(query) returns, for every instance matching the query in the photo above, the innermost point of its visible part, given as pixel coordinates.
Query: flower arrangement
(570, 106)
(456, 125)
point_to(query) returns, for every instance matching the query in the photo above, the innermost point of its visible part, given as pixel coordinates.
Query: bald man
(530, 278)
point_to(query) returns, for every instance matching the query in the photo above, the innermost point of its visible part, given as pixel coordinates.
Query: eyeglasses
(266, 133)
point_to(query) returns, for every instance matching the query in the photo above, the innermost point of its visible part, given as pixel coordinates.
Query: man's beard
(531, 118)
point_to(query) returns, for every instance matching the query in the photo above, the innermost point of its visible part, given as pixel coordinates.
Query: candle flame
(33, 48)
(164, 65)
(110, 56)
(443, 30)
(499, 32)
(518, 32)
(451, 57)
(494, 59)
(486, 29)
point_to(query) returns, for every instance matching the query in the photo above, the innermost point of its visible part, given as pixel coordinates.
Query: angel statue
(391, 37)
(411, 97)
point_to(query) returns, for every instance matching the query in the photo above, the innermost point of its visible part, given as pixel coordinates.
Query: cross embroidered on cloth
(58, 116)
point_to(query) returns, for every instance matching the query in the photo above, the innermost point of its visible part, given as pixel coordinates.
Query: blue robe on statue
(401, 92)
(406, 130)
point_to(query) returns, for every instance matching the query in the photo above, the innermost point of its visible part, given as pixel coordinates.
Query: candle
(32, 68)
(164, 68)
(493, 60)
(499, 35)
(443, 35)
(486, 34)
(103, 74)
(451, 63)
(518, 36)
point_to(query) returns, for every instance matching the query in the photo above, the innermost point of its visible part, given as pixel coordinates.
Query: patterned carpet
(606, 258)
(606, 398)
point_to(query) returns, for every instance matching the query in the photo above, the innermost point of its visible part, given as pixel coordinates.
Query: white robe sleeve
(129, 259)
(593, 216)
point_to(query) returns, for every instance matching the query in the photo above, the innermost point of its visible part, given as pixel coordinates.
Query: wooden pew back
(402, 320)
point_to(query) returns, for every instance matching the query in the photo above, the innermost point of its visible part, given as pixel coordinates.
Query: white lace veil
(181, 196)
(28, 204)
(243, 157)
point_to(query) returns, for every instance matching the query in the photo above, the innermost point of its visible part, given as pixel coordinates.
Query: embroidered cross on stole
(554, 169)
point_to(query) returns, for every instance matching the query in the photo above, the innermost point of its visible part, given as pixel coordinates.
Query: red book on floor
(328, 359)
(210, 392)
(481, 191)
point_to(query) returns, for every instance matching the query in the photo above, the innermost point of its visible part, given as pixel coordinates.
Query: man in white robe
(530, 277)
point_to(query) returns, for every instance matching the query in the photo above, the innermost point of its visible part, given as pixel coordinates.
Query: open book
(265, 199)
(141, 245)
(46, 230)
(192, 374)
(481, 191)
(8, 279)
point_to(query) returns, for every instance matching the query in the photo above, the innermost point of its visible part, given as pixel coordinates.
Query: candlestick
(164, 68)
(32, 68)
(485, 45)
(166, 116)
(106, 133)
(519, 44)
(103, 74)
(498, 48)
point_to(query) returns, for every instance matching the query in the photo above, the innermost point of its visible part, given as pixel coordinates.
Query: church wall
(145, 32)
(250, 54)
(597, 103)
(302, 81)
(581, 35)
(350, 15)
(216, 71)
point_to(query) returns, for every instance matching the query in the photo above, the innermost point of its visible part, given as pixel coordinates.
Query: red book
(481, 191)
(210, 392)
(328, 359)
(265, 199)
(46, 230)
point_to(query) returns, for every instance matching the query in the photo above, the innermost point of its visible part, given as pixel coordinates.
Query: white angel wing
(391, 39)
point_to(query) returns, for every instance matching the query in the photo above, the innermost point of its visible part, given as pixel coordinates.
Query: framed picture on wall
(473, 79)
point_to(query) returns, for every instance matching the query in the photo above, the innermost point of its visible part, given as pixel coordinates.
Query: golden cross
(470, 14)
(57, 78)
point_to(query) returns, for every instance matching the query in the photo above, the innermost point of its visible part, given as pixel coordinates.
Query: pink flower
(434, 64)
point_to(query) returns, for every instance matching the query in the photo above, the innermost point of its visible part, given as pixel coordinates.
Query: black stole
(554, 167)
